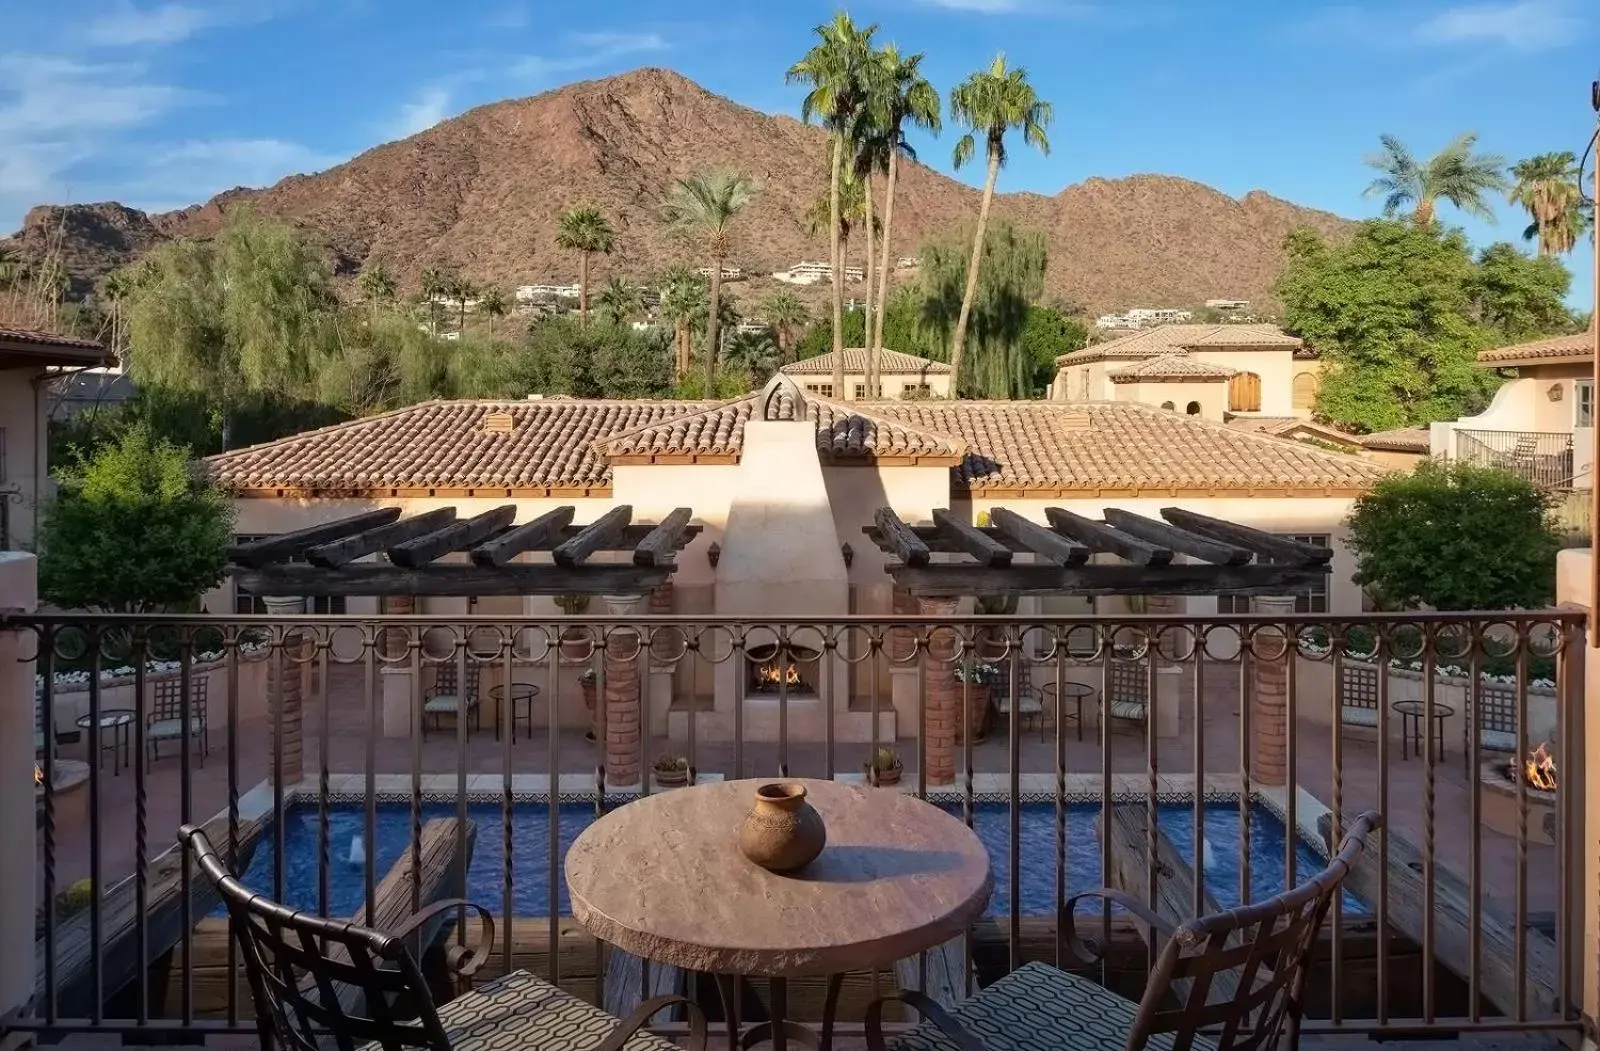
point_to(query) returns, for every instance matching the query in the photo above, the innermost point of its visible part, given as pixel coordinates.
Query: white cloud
(427, 108)
(512, 16)
(43, 95)
(1521, 25)
(128, 25)
(589, 49)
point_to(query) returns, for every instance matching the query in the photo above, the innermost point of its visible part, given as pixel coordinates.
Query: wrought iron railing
(1253, 745)
(1542, 457)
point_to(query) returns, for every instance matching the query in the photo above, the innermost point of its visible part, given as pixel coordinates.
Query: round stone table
(663, 878)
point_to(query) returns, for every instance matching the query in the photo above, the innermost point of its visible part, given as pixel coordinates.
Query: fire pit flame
(770, 674)
(1539, 769)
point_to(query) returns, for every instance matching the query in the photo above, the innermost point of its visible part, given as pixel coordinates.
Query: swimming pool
(530, 890)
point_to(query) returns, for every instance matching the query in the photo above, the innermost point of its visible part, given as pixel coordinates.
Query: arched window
(1168, 406)
(1244, 393)
(1193, 409)
(1305, 391)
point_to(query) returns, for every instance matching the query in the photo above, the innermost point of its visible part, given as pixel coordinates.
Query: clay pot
(576, 645)
(782, 832)
(588, 695)
(883, 778)
(672, 778)
(977, 723)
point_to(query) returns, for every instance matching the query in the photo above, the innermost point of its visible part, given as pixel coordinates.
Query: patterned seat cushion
(444, 704)
(1026, 704)
(1498, 740)
(1133, 710)
(518, 1012)
(1038, 1008)
(164, 729)
(1351, 715)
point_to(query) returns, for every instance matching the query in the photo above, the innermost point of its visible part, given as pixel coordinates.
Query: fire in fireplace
(1538, 769)
(771, 669)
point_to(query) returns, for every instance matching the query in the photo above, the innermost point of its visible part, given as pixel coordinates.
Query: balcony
(1542, 457)
(317, 756)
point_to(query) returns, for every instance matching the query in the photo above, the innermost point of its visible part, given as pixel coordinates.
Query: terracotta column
(943, 698)
(664, 642)
(285, 694)
(902, 640)
(1269, 694)
(623, 728)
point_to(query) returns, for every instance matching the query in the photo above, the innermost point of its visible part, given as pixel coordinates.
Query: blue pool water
(530, 892)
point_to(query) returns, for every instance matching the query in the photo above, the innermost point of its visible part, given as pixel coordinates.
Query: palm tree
(377, 284)
(1455, 174)
(115, 287)
(900, 95)
(851, 212)
(619, 300)
(991, 102)
(435, 284)
(836, 68)
(682, 293)
(786, 315)
(12, 268)
(1547, 186)
(461, 290)
(493, 304)
(704, 207)
(753, 353)
(586, 231)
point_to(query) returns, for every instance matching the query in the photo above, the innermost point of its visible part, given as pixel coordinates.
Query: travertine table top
(663, 878)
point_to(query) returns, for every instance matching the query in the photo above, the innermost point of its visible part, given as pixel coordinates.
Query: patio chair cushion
(166, 729)
(518, 1010)
(1026, 704)
(445, 704)
(1038, 1008)
(1352, 715)
(1127, 710)
(1498, 740)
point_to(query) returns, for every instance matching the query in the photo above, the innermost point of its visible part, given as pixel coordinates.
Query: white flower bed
(69, 681)
(1450, 673)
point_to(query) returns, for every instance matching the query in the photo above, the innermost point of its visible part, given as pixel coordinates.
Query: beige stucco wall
(1275, 367)
(24, 470)
(1542, 399)
(894, 385)
(1212, 396)
(1397, 461)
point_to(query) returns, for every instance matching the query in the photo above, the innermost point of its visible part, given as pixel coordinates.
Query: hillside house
(902, 376)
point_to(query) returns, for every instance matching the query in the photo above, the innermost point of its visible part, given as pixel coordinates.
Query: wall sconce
(1555, 392)
(714, 554)
(848, 552)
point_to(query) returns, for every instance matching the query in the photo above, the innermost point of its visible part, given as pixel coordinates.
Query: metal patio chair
(452, 698)
(172, 718)
(1239, 976)
(320, 984)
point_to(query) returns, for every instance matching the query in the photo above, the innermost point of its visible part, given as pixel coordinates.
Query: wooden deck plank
(948, 973)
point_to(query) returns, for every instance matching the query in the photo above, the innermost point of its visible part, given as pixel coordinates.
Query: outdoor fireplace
(772, 668)
(1538, 769)
(1501, 800)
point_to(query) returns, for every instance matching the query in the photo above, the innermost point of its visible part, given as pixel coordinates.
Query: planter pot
(672, 778)
(783, 832)
(588, 695)
(882, 778)
(977, 721)
(576, 645)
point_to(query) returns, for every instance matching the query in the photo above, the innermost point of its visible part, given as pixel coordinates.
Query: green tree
(1454, 535)
(898, 95)
(12, 268)
(245, 314)
(1455, 174)
(378, 285)
(995, 306)
(991, 103)
(585, 230)
(786, 314)
(1521, 298)
(753, 355)
(683, 294)
(620, 301)
(435, 286)
(1046, 336)
(836, 68)
(704, 207)
(134, 529)
(493, 305)
(599, 361)
(462, 290)
(115, 288)
(1547, 186)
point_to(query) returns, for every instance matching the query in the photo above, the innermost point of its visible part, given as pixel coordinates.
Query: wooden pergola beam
(595, 536)
(660, 545)
(1099, 537)
(430, 546)
(370, 541)
(451, 579)
(1176, 539)
(293, 544)
(1182, 579)
(1043, 542)
(975, 542)
(899, 539)
(502, 548)
(1264, 544)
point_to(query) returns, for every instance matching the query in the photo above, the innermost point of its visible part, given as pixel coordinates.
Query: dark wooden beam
(1148, 529)
(594, 537)
(424, 549)
(1264, 544)
(1185, 579)
(658, 547)
(1097, 536)
(626, 540)
(284, 546)
(975, 542)
(896, 538)
(499, 550)
(369, 541)
(369, 578)
(1036, 538)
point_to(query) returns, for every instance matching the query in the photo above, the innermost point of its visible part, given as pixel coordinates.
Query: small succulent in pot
(979, 673)
(587, 681)
(884, 767)
(671, 770)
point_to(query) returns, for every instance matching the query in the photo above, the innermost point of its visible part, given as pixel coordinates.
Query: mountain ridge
(480, 193)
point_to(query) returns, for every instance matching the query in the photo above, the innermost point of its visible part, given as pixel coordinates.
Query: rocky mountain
(481, 192)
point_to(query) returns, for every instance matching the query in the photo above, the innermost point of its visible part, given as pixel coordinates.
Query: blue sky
(161, 104)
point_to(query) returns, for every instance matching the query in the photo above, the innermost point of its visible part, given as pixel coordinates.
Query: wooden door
(1244, 393)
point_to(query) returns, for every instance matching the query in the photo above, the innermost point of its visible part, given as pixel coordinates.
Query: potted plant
(883, 768)
(574, 641)
(671, 771)
(979, 678)
(587, 681)
(991, 641)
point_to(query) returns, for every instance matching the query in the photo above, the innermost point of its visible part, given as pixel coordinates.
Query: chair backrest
(445, 679)
(1130, 681)
(299, 965)
(1245, 968)
(1497, 709)
(167, 701)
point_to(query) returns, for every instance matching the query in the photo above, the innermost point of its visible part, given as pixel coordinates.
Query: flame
(770, 675)
(1539, 768)
(38, 775)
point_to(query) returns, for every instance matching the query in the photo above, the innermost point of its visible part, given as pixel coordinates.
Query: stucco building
(900, 376)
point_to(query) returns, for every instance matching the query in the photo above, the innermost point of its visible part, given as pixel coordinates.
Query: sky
(162, 104)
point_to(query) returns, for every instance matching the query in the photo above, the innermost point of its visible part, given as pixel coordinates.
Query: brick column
(622, 694)
(943, 698)
(285, 694)
(392, 641)
(902, 641)
(1269, 694)
(664, 642)
(1171, 643)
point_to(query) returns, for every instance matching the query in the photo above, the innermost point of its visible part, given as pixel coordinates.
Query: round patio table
(663, 878)
(117, 721)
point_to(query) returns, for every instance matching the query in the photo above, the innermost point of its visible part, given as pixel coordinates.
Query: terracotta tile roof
(1578, 347)
(895, 363)
(1399, 440)
(46, 339)
(843, 432)
(1170, 339)
(1123, 445)
(1293, 427)
(1170, 367)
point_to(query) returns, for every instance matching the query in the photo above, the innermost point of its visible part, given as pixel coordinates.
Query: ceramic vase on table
(782, 832)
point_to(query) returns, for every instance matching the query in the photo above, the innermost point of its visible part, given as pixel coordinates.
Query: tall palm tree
(1455, 174)
(991, 102)
(461, 290)
(585, 230)
(851, 212)
(753, 354)
(836, 68)
(619, 300)
(901, 95)
(786, 315)
(494, 306)
(1547, 186)
(435, 284)
(682, 292)
(377, 284)
(704, 207)
(12, 268)
(116, 287)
